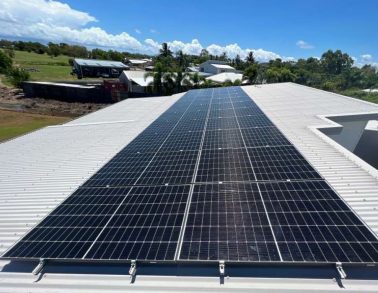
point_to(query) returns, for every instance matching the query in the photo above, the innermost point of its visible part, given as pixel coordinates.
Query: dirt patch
(14, 100)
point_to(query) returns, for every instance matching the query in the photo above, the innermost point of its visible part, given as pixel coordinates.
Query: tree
(286, 75)
(5, 62)
(157, 75)
(207, 83)
(99, 54)
(250, 73)
(181, 79)
(53, 50)
(336, 62)
(223, 57)
(250, 59)
(238, 62)
(283, 74)
(195, 79)
(204, 53)
(164, 51)
(181, 60)
(169, 82)
(237, 82)
(228, 82)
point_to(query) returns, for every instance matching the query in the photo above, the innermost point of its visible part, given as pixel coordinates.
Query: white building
(215, 67)
(137, 81)
(42, 168)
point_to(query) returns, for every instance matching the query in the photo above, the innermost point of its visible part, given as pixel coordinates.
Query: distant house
(139, 63)
(98, 68)
(215, 67)
(136, 81)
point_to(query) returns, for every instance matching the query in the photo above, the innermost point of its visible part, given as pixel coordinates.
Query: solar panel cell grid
(211, 179)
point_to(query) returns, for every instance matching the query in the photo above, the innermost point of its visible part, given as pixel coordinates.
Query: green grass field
(13, 124)
(46, 68)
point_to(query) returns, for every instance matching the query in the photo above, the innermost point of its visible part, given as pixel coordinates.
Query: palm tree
(181, 79)
(195, 79)
(181, 59)
(164, 51)
(169, 82)
(207, 83)
(157, 75)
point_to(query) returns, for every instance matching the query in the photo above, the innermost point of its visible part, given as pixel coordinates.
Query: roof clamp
(221, 267)
(132, 270)
(39, 267)
(340, 270)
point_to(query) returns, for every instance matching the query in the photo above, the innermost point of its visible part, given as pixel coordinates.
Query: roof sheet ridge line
(91, 123)
(332, 93)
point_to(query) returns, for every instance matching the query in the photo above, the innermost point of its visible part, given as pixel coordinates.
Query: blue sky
(287, 29)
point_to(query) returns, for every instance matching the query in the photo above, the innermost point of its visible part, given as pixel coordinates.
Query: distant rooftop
(100, 63)
(224, 76)
(222, 66)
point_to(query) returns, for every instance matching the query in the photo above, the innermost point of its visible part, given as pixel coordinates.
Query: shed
(98, 68)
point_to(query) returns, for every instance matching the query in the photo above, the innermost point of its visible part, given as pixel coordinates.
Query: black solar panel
(211, 179)
(228, 222)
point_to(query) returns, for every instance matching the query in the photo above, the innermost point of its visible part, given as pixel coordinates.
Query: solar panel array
(211, 179)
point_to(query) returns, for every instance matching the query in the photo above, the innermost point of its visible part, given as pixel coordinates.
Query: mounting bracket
(340, 270)
(132, 270)
(221, 267)
(39, 267)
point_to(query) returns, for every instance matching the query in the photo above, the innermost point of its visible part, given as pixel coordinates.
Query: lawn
(42, 67)
(13, 124)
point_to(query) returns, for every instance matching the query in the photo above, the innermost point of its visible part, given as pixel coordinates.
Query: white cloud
(304, 45)
(366, 57)
(193, 48)
(50, 20)
(30, 12)
(153, 31)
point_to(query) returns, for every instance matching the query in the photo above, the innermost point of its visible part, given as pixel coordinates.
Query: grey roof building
(98, 68)
(39, 170)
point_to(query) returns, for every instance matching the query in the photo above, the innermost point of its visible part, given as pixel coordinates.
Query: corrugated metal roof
(296, 111)
(100, 63)
(42, 168)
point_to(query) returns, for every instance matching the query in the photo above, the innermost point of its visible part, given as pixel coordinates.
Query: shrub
(17, 75)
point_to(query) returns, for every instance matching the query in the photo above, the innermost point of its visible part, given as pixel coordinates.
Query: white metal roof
(298, 111)
(223, 66)
(222, 77)
(138, 61)
(99, 63)
(139, 77)
(40, 169)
